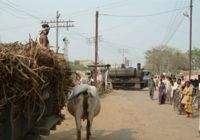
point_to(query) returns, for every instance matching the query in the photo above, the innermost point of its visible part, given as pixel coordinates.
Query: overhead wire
(117, 5)
(115, 47)
(11, 13)
(109, 45)
(145, 15)
(173, 32)
(174, 24)
(171, 22)
(77, 33)
(13, 8)
(18, 12)
(92, 9)
(16, 27)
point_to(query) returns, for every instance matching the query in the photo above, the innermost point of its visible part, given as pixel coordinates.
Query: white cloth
(81, 88)
(174, 87)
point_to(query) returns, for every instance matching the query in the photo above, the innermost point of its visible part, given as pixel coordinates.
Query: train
(129, 77)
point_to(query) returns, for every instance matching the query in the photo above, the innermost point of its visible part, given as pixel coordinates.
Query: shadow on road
(122, 134)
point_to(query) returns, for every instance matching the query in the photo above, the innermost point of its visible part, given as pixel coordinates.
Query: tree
(165, 59)
(196, 58)
(77, 66)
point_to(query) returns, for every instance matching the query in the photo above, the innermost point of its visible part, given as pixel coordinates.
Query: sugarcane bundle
(32, 73)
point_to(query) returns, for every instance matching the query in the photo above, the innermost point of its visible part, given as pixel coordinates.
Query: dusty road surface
(131, 115)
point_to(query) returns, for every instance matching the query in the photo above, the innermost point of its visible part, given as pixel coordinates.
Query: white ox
(84, 103)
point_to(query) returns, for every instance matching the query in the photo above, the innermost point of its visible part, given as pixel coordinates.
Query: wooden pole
(190, 42)
(96, 46)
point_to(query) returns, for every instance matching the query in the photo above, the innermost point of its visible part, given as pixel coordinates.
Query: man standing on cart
(42, 38)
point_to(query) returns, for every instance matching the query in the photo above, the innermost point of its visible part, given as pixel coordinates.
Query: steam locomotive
(135, 78)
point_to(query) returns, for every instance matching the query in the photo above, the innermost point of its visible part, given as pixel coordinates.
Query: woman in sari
(187, 98)
(162, 90)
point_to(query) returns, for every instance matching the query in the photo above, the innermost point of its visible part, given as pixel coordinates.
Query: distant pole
(57, 17)
(96, 46)
(190, 42)
(123, 51)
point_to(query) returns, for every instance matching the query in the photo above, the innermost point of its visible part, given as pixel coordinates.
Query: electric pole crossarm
(62, 26)
(60, 21)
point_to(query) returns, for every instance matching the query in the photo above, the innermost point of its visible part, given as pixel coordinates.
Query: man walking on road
(152, 87)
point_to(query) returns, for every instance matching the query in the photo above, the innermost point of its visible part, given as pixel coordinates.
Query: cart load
(33, 84)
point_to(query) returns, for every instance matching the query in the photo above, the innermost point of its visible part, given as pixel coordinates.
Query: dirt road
(131, 115)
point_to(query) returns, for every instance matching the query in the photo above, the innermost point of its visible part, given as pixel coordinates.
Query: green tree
(77, 66)
(76, 62)
(165, 59)
(196, 58)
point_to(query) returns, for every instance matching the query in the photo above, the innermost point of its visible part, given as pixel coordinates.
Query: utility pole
(96, 46)
(123, 51)
(59, 24)
(91, 40)
(57, 18)
(190, 42)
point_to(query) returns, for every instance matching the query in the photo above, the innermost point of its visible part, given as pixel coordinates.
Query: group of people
(169, 87)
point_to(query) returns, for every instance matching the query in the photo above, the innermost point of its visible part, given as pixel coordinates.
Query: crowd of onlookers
(169, 87)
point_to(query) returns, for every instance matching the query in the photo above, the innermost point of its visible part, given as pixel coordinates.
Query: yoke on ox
(84, 103)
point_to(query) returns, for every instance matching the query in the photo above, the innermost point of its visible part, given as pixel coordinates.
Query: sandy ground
(131, 115)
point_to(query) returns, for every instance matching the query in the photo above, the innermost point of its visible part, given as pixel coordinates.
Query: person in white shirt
(174, 87)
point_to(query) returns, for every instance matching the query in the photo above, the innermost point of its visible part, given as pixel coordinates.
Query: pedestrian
(177, 95)
(174, 87)
(42, 38)
(169, 85)
(162, 91)
(195, 85)
(187, 98)
(152, 87)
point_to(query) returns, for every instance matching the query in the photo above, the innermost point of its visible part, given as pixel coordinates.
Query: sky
(133, 25)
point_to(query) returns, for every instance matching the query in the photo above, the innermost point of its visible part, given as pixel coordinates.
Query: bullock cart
(33, 83)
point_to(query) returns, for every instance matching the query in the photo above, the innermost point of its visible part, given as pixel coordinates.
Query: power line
(145, 15)
(11, 13)
(14, 9)
(16, 27)
(123, 51)
(174, 24)
(173, 32)
(171, 22)
(91, 9)
(113, 47)
(115, 5)
(121, 45)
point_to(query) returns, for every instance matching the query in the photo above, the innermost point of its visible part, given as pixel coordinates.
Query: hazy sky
(134, 25)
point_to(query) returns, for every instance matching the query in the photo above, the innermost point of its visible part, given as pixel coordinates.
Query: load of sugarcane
(31, 74)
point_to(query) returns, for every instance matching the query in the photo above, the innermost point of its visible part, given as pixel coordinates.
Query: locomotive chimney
(138, 66)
